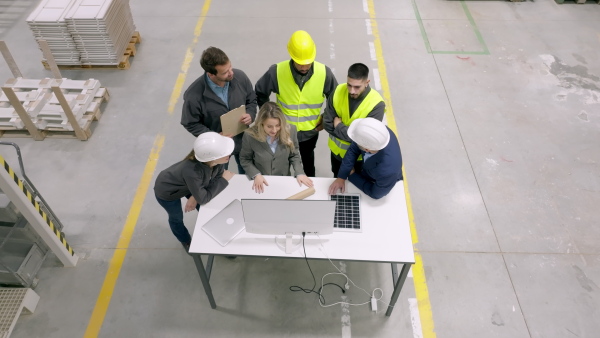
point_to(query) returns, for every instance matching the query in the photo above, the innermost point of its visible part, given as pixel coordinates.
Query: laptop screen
(279, 217)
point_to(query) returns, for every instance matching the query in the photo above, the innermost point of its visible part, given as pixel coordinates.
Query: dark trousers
(175, 212)
(307, 153)
(241, 170)
(337, 163)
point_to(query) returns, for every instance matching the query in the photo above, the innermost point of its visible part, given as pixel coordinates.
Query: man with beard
(220, 89)
(301, 85)
(350, 101)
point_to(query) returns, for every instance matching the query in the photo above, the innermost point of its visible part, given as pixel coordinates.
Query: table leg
(204, 277)
(209, 264)
(398, 283)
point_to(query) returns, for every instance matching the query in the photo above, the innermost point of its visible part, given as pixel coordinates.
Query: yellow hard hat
(302, 48)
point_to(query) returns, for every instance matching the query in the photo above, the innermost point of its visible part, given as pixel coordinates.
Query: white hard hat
(369, 133)
(211, 146)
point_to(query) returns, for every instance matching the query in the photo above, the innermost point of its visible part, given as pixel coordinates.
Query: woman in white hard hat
(270, 147)
(382, 160)
(200, 176)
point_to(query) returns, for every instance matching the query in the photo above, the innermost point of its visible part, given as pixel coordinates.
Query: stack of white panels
(47, 22)
(101, 30)
(32, 95)
(32, 101)
(79, 95)
(7, 119)
(42, 105)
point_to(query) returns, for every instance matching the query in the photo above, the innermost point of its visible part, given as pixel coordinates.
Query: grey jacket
(257, 158)
(190, 177)
(202, 108)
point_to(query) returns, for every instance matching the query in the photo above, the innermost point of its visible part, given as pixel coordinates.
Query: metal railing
(36, 194)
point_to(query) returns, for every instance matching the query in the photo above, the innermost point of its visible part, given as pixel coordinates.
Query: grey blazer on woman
(257, 158)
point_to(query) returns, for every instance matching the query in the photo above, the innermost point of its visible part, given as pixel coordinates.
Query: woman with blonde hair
(270, 147)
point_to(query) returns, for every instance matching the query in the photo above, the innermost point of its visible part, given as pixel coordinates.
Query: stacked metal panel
(47, 22)
(32, 96)
(44, 108)
(101, 30)
(32, 101)
(84, 32)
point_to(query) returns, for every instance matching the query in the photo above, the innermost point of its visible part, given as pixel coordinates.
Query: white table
(385, 236)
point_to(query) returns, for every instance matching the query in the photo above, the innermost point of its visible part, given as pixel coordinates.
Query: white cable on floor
(372, 295)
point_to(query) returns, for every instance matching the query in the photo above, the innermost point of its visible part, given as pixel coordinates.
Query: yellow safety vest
(301, 107)
(342, 107)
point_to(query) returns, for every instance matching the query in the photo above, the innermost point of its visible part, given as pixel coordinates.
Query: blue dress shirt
(221, 92)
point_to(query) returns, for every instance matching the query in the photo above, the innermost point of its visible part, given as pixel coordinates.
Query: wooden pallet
(90, 116)
(95, 115)
(123, 64)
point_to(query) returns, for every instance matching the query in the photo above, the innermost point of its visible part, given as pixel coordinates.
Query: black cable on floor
(295, 288)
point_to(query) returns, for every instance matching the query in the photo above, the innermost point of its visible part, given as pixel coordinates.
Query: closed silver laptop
(227, 224)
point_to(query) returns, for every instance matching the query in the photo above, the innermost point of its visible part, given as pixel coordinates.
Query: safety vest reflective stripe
(301, 107)
(295, 119)
(339, 143)
(342, 107)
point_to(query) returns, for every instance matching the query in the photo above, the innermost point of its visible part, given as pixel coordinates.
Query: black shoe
(186, 247)
(231, 257)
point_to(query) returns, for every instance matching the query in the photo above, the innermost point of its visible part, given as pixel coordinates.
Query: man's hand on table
(338, 184)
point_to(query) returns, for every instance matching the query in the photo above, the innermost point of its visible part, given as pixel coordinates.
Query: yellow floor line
(189, 56)
(106, 292)
(420, 282)
(114, 269)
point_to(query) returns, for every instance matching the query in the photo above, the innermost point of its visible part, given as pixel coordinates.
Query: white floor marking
(376, 80)
(372, 51)
(332, 51)
(365, 6)
(415, 318)
(346, 327)
(368, 23)
(330, 26)
(330, 6)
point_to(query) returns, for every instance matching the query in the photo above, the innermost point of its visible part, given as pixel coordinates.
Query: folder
(230, 121)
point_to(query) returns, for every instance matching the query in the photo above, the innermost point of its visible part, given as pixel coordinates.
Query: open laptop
(281, 217)
(227, 224)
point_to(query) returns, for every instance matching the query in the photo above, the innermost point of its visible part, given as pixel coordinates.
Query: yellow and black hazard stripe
(37, 206)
